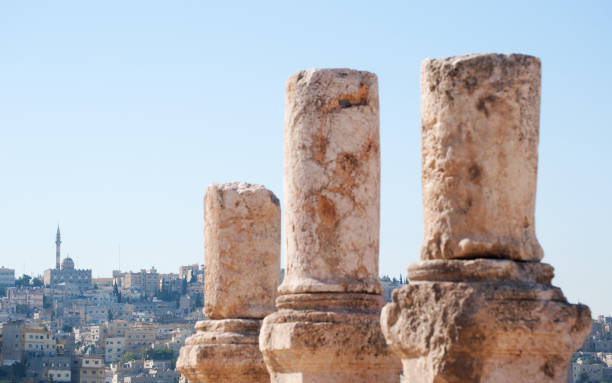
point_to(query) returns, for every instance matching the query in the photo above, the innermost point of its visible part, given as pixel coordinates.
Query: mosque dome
(67, 264)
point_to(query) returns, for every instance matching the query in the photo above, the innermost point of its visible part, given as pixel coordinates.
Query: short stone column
(327, 325)
(242, 273)
(480, 306)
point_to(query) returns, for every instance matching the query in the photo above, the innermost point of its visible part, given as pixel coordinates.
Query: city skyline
(115, 118)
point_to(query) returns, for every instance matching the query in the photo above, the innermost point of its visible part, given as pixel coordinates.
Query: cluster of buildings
(593, 362)
(93, 354)
(69, 327)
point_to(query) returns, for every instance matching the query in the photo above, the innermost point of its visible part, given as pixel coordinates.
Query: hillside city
(65, 326)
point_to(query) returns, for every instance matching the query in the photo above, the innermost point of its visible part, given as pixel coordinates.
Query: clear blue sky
(116, 115)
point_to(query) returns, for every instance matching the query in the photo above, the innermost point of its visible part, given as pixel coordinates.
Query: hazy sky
(116, 115)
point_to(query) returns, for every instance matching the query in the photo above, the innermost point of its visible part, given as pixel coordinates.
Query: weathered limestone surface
(480, 126)
(486, 328)
(480, 307)
(224, 350)
(327, 325)
(327, 338)
(242, 256)
(241, 250)
(331, 182)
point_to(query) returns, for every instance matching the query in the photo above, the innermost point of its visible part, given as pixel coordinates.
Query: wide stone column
(242, 259)
(480, 306)
(327, 325)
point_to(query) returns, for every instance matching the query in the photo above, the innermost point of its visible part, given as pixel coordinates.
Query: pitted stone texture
(483, 332)
(480, 126)
(223, 351)
(480, 269)
(242, 250)
(327, 338)
(331, 182)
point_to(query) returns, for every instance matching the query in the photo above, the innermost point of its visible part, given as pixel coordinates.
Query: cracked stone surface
(327, 338)
(479, 141)
(331, 182)
(484, 332)
(242, 258)
(223, 351)
(327, 326)
(241, 250)
(480, 306)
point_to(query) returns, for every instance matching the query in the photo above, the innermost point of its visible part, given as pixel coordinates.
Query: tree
(22, 309)
(158, 353)
(46, 302)
(37, 282)
(199, 302)
(127, 357)
(584, 377)
(19, 369)
(184, 291)
(2, 291)
(24, 280)
(116, 292)
(66, 328)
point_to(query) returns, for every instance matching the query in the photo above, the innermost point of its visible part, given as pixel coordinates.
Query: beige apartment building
(91, 370)
(114, 348)
(140, 336)
(36, 340)
(144, 281)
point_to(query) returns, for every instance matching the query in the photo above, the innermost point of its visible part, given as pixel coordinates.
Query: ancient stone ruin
(327, 325)
(480, 306)
(242, 256)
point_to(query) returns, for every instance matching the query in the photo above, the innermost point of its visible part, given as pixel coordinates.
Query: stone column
(242, 273)
(480, 306)
(327, 327)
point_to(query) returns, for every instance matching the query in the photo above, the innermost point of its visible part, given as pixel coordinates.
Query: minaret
(58, 242)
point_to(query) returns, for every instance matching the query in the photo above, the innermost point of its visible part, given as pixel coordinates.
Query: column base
(223, 351)
(327, 337)
(483, 321)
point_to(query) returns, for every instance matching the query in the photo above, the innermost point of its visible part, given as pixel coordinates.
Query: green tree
(127, 357)
(22, 309)
(47, 302)
(117, 293)
(158, 353)
(18, 369)
(199, 302)
(584, 377)
(24, 280)
(2, 291)
(37, 282)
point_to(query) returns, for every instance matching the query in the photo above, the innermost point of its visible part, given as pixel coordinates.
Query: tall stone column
(327, 325)
(242, 273)
(480, 306)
